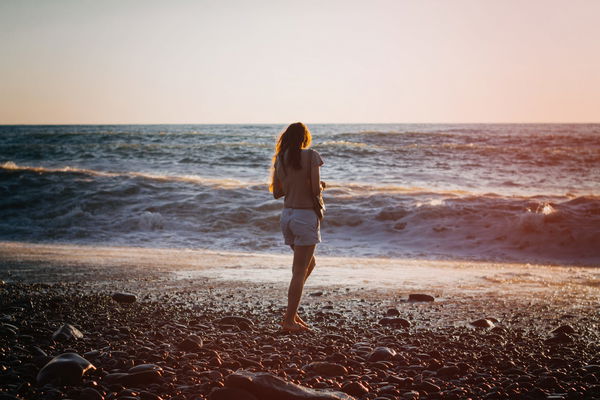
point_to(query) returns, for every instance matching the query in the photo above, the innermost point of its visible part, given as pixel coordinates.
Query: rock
(191, 344)
(560, 338)
(242, 323)
(67, 332)
(547, 382)
(144, 367)
(126, 298)
(448, 371)
(266, 386)
(382, 354)
(8, 330)
(65, 369)
(114, 377)
(140, 378)
(482, 323)
(316, 294)
(568, 329)
(412, 395)
(429, 387)
(91, 354)
(230, 393)
(325, 368)
(144, 395)
(420, 297)
(355, 389)
(6, 396)
(395, 322)
(234, 320)
(90, 394)
(392, 312)
(37, 352)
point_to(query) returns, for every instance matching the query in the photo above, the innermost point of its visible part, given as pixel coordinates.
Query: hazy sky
(247, 61)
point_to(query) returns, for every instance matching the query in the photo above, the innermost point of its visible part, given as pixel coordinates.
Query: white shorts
(300, 226)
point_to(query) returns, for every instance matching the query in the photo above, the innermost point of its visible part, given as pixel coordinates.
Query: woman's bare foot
(292, 327)
(300, 321)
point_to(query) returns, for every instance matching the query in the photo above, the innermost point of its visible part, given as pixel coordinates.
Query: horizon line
(307, 123)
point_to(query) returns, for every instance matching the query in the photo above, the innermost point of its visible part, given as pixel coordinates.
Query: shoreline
(368, 340)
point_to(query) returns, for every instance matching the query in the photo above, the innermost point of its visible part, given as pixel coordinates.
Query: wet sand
(368, 340)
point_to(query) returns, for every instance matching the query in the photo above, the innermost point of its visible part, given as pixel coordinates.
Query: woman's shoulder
(315, 157)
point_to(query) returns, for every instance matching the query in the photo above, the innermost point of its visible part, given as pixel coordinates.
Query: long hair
(295, 138)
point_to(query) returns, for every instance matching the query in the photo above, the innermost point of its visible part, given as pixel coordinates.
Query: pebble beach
(110, 327)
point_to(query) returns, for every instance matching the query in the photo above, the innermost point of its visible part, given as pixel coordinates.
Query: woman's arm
(277, 187)
(315, 179)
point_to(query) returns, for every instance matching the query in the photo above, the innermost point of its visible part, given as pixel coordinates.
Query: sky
(261, 61)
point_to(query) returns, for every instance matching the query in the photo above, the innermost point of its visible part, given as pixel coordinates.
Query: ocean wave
(127, 208)
(214, 182)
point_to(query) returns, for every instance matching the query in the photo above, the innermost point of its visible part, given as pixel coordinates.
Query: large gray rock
(266, 386)
(65, 369)
(382, 354)
(192, 343)
(67, 332)
(324, 368)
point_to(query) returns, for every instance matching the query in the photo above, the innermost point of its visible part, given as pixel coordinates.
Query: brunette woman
(296, 177)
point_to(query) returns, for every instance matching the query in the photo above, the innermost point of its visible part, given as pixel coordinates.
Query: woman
(299, 222)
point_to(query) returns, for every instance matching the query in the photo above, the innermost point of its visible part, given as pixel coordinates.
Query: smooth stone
(144, 395)
(568, 329)
(429, 387)
(37, 352)
(392, 312)
(325, 368)
(412, 395)
(382, 354)
(141, 378)
(192, 343)
(560, 338)
(6, 331)
(91, 354)
(420, 297)
(355, 389)
(65, 369)
(482, 323)
(67, 332)
(395, 321)
(121, 297)
(90, 394)
(230, 393)
(234, 320)
(266, 386)
(448, 371)
(547, 382)
(144, 367)
(114, 377)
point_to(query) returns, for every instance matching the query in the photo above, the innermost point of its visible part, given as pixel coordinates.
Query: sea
(528, 193)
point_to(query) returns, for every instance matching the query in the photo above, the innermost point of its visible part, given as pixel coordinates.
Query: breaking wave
(70, 204)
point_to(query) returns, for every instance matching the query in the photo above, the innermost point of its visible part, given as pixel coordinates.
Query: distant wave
(224, 183)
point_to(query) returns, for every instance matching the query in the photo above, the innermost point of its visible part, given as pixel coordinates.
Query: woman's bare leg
(311, 266)
(303, 256)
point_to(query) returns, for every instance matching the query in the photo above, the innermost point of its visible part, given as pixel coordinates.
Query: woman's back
(295, 182)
